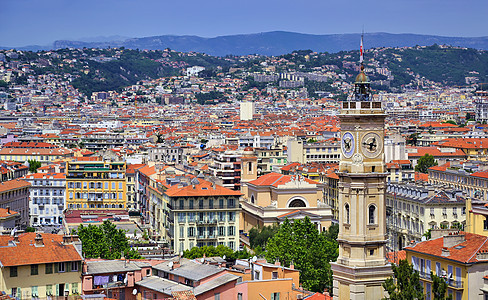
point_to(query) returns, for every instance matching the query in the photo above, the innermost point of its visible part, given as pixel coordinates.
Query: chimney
(16, 238)
(292, 265)
(176, 264)
(482, 255)
(445, 251)
(277, 263)
(8, 210)
(453, 239)
(431, 191)
(67, 239)
(38, 240)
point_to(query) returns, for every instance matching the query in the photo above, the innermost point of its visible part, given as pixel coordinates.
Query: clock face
(347, 144)
(371, 145)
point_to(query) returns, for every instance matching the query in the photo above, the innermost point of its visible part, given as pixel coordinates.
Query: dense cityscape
(162, 174)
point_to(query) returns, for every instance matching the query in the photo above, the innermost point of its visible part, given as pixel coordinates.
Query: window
(217, 296)
(120, 185)
(239, 296)
(61, 267)
(221, 230)
(231, 216)
(347, 212)
(191, 231)
(191, 204)
(34, 292)
(274, 275)
(427, 291)
(182, 204)
(13, 271)
(49, 290)
(34, 269)
(275, 296)
(232, 230)
(210, 203)
(74, 288)
(221, 203)
(200, 204)
(230, 203)
(182, 232)
(74, 266)
(371, 214)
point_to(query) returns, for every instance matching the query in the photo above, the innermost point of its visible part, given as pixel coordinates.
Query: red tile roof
(26, 253)
(13, 185)
(204, 188)
(276, 179)
(465, 253)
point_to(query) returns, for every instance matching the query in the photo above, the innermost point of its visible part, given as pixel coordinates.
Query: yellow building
(274, 197)
(461, 258)
(476, 217)
(40, 265)
(95, 185)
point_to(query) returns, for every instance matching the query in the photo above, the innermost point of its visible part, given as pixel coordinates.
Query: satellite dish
(254, 258)
(224, 257)
(170, 264)
(134, 292)
(202, 260)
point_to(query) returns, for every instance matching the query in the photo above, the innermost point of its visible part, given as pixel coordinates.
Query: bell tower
(361, 267)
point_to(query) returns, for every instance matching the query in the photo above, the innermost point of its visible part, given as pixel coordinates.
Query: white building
(47, 198)
(193, 71)
(247, 110)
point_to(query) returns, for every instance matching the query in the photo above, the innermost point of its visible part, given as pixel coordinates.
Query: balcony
(455, 284)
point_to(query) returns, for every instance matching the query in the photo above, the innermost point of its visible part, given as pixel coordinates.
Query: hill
(271, 43)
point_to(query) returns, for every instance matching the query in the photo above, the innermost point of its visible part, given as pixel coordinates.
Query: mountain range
(270, 43)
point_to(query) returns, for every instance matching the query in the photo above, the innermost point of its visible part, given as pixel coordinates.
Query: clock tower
(361, 267)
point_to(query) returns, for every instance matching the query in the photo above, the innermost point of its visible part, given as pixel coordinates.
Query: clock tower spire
(361, 267)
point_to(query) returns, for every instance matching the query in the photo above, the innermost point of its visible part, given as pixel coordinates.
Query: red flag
(361, 50)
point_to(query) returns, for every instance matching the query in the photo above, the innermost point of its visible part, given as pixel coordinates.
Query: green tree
(405, 283)
(425, 162)
(450, 122)
(259, 236)
(301, 243)
(220, 250)
(412, 139)
(105, 241)
(439, 288)
(33, 165)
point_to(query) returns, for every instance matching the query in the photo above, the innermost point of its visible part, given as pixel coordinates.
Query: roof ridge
(486, 239)
(277, 179)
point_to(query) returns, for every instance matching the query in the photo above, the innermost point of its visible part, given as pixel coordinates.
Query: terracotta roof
(464, 252)
(204, 188)
(13, 185)
(395, 257)
(436, 152)
(421, 176)
(480, 174)
(26, 253)
(441, 167)
(5, 213)
(276, 179)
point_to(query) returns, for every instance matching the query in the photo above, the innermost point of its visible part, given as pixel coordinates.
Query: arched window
(249, 167)
(252, 198)
(347, 212)
(297, 203)
(372, 214)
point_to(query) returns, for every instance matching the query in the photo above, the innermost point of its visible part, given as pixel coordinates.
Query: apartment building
(412, 209)
(96, 184)
(204, 214)
(270, 158)
(227, 167)
(323, 152)
(14, 195)
(47, 198)
(12, 170)
(474, 184)
(40, 265)
(460, 258)
(166, 154)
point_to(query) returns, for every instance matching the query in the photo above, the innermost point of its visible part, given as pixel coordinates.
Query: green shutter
(56, 268)
(57, 290)
(68, 268)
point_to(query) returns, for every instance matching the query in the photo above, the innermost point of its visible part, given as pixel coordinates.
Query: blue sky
(29, 22)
